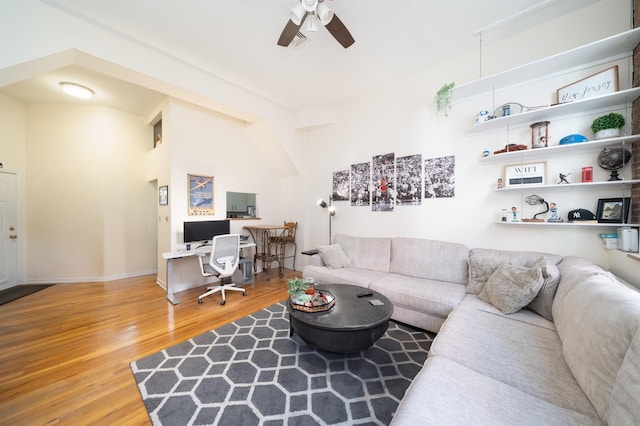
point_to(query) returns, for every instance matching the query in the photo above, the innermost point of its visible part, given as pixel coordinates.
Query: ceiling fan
(312, 11)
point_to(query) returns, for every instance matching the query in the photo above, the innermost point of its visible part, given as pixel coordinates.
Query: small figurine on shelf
(514, 213)
(554, 213)
(563, 178)
(500, 183)
(504, 215)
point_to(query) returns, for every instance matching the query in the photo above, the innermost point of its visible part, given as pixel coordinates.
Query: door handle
(13, 237)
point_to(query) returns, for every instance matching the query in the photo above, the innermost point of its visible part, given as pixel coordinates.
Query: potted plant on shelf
(607, 126)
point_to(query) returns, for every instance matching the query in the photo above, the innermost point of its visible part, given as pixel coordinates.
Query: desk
(262, 235)
(173, 255)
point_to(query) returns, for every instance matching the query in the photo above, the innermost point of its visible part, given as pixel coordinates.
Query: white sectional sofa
(571, 356)
(424, 279)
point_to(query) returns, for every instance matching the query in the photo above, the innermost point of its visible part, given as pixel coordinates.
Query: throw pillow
(334, 257)
(511, 288)
(542, 303)
(480, 269)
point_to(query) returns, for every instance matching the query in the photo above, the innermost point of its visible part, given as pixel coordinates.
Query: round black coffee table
(351, 325)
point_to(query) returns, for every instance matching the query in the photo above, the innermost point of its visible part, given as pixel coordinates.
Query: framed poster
(163, 195)
(525, 174)
(595, 85)
(613, 210)
(200, 195)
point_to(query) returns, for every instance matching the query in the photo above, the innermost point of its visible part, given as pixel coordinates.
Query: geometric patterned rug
(250, 372)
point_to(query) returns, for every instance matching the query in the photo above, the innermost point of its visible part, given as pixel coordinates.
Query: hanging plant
(443, 98)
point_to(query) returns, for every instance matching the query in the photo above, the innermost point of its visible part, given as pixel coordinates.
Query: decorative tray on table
(318, 302)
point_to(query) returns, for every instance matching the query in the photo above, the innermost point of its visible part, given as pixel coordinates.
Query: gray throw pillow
(333, 256)
(541, 305)
(511, 288)
(480, 269)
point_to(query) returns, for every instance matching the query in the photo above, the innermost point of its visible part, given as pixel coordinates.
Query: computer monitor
(204, 230)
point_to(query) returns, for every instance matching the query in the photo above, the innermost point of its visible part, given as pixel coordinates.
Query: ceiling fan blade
(340, 32)
(289, 32)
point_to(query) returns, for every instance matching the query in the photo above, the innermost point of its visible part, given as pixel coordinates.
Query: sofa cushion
(511, 288)
(481, 268)
(333, 256)
(447, 393)
(522, 355)
(354, 276)
(624, 407)
(434, 260)
(574, 270)
(483, 262)
(472, 301)
(544, 300)
(597, 321)
(366, 253)
(438, 298)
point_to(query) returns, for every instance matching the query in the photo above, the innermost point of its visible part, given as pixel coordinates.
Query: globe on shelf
(613, 159)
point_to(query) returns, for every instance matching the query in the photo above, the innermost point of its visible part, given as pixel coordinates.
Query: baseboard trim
(63, 280)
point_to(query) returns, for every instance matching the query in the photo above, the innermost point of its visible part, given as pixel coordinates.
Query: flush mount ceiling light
(76, 90)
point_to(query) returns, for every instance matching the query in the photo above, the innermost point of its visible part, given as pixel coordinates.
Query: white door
(8, 231)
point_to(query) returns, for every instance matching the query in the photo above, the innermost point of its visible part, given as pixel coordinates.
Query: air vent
(299, 40)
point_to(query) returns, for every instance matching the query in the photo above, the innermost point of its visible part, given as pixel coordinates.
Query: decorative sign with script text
(598, 84)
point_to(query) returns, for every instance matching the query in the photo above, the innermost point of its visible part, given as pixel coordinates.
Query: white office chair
(223, 262)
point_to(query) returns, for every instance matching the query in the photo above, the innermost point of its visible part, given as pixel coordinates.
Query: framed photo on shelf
(598, 84)
(525, 174)
(613, 210)
(163, 195)
(200, 195)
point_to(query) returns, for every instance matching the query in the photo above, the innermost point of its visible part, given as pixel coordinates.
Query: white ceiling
(236, 41)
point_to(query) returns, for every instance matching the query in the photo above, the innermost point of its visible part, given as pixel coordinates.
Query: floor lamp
(332, 212)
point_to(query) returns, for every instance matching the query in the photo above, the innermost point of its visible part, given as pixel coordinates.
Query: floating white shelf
(591, 186)
(610, 101)
(571, 224)
(573, 148)
(601, 51)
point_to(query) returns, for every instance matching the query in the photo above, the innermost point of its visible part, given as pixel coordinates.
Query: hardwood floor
(65, 350)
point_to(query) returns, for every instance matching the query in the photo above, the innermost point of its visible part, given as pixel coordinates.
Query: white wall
(35, 26)
(90, 212)
(13, 142)
(401, 118)
(203, 142)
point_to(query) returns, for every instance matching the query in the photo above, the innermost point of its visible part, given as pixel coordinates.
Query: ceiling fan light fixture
(309, 5)
(312, 22)
(324, 14)
(76, 90)
(296, 14)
